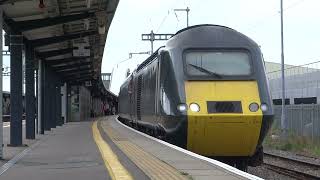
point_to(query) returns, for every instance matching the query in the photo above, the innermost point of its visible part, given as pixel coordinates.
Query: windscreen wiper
(206, 71)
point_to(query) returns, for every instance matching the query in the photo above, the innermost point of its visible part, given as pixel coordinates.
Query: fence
(303, 120)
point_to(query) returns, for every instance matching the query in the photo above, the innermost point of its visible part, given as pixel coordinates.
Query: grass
(292, 143)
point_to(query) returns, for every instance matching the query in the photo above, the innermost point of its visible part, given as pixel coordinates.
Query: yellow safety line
(111, 161)
(150, 165)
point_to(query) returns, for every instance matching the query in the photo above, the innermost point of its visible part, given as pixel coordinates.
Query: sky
(258, 19)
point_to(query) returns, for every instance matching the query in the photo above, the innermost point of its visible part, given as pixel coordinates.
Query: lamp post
(283, 114)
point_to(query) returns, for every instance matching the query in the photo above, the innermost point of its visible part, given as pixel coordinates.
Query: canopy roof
(69, 35)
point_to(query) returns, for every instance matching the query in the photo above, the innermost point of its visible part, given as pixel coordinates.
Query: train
(205, 91)
(6, 106)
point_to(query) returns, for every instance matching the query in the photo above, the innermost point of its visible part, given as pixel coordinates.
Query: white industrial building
(302, 83)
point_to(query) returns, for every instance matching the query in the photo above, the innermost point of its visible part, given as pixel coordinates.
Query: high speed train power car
(205, 91)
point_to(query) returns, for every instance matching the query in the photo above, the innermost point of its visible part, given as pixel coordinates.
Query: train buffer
(104, 148)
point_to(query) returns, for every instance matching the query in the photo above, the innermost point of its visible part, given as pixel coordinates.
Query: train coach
(206, 91)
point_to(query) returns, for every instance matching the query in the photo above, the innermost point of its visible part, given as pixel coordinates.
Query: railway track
(293, 168)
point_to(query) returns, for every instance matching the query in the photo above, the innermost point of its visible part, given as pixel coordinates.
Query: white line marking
(19, 156)
(212, 161)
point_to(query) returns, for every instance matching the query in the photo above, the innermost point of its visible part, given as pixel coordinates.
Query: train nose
(223, 135)
(229, 120)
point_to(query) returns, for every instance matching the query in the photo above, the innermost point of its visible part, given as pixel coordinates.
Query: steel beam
(41, 97)
(72, 67)
(59, 52)
(74, 77)
(80, 81)
(46, 93)
(68, 103)
(1, 96)
(73, 71)
(54, 101)
(58, 39)
(51, 21)
(78, 69)
(58, 105)
(77, 74)
(37, 97)
(29, 96)
(51, 94)
(73, 63)
(16, 90)
(73, 60)
(49, 99)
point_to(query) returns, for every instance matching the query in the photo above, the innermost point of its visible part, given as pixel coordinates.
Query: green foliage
(292, 143)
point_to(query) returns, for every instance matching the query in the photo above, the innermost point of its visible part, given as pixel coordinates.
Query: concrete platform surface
(67, 152)
(8, 151)
(160, 158)
(106, 149)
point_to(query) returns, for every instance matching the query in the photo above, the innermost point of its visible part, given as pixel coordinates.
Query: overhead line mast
(155, 37)
(187, 10)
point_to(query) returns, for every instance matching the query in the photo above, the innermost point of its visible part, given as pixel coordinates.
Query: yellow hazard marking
(153, 167)
(111, 161)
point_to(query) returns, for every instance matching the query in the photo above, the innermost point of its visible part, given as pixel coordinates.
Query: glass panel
(219, 63)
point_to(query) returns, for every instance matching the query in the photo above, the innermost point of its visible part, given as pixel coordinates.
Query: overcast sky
(258, 19)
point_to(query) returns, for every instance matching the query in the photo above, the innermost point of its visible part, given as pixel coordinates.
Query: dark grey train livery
(205, 91)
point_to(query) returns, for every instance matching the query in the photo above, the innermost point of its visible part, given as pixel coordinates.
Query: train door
(134, 103)
(157, 90)
(131, 91)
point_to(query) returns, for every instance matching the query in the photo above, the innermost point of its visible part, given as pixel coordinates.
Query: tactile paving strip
(150, 165)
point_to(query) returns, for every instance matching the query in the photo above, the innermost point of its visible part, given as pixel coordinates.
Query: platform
(106, 149)
(146, 151)
(67, 152)
(8, 151)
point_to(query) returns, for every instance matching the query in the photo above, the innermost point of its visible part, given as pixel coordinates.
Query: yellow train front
(205, 91)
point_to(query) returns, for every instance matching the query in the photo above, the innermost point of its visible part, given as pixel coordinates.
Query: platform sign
(88, 83)
(81, 50)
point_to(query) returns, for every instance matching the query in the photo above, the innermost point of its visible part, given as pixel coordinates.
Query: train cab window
(213, 63)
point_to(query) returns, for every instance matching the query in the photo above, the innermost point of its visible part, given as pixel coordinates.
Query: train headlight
(253, 107)
(194, 107)
(182, 107)
(264, 107)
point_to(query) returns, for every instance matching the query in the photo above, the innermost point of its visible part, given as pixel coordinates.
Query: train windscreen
(219, 64)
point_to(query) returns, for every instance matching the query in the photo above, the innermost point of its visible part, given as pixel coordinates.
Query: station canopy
(68, 35)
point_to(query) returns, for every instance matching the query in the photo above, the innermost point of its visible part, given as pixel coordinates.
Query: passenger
(113, 110)
(104, 109)
(107, 108)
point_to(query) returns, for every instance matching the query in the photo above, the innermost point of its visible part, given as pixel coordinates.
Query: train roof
(209, 35)
(204, 35)
(201, 25)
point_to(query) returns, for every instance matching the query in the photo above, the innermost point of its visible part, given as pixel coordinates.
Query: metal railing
(303, 120)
